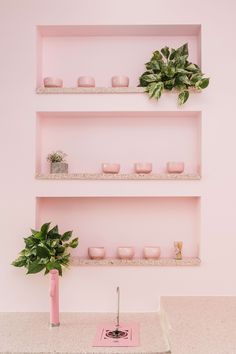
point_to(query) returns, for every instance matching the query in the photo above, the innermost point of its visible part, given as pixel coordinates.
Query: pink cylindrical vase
(120, 81)
(86, 81)
(175, 167)
(52, 82)
(143, 167)
(54, 294)
(125, 252)
(96, 252)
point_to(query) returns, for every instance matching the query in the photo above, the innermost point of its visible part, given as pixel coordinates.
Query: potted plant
(57, 160)
(46, 250)
(170, 69)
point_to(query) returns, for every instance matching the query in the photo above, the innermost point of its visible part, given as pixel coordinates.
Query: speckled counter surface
(201, 325)
(24, 333)
(185, 325)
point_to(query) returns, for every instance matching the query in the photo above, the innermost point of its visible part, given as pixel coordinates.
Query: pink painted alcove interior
(104, 51)
(126, 221)
(90, 138)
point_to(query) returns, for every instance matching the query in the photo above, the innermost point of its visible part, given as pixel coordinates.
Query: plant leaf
(169, 84)
(156, 55)
(170, 70)
(151, 78)
(53, 231)
(166, 52)
(44, 229)
(183, 50)
(66, 236)
(74, 243)
(42, 252)
(172, 54)
(19, 262)
(153, 65)
(35, 267)
(201, 84)
(151, 88)
(30, 241)
(193, 68)
(183, 96)
(184, 79)
(158, 92)
(60, 250)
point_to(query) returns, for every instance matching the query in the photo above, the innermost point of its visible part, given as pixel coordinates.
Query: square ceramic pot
(59, 167)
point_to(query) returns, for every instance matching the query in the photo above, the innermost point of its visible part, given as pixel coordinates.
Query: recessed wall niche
(107, 50)
(90, 138)
(126, 221)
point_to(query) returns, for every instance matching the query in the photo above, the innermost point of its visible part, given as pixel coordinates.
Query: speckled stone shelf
(41, 90)
(162, 262)
(69, 90)
(110, 176)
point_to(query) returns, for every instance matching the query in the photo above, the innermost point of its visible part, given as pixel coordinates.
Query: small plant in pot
(57, 160)
(45, 250)
(170, 69)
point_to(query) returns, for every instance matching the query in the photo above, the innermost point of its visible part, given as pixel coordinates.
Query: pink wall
(90, 289)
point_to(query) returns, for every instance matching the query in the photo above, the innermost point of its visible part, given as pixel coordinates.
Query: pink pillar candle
(54, 294)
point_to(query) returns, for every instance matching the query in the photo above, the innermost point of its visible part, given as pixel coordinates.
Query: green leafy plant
(56, 156)
(45, 250)
(170, 69)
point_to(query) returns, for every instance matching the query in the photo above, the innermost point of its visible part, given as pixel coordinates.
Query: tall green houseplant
(170, 69)
(46, 249)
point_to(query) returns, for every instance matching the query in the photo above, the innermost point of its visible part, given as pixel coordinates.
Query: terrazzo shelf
(161, 262)
(29, 333)
(77, 90)
(109, 176)
(41, 90)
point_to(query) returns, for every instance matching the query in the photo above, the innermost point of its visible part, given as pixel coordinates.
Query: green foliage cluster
(56, 156)
(45, 250)
(170, 69)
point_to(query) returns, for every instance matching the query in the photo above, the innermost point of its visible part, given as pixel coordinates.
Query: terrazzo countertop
(201, 325)
(29, 333)
(185, 325)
